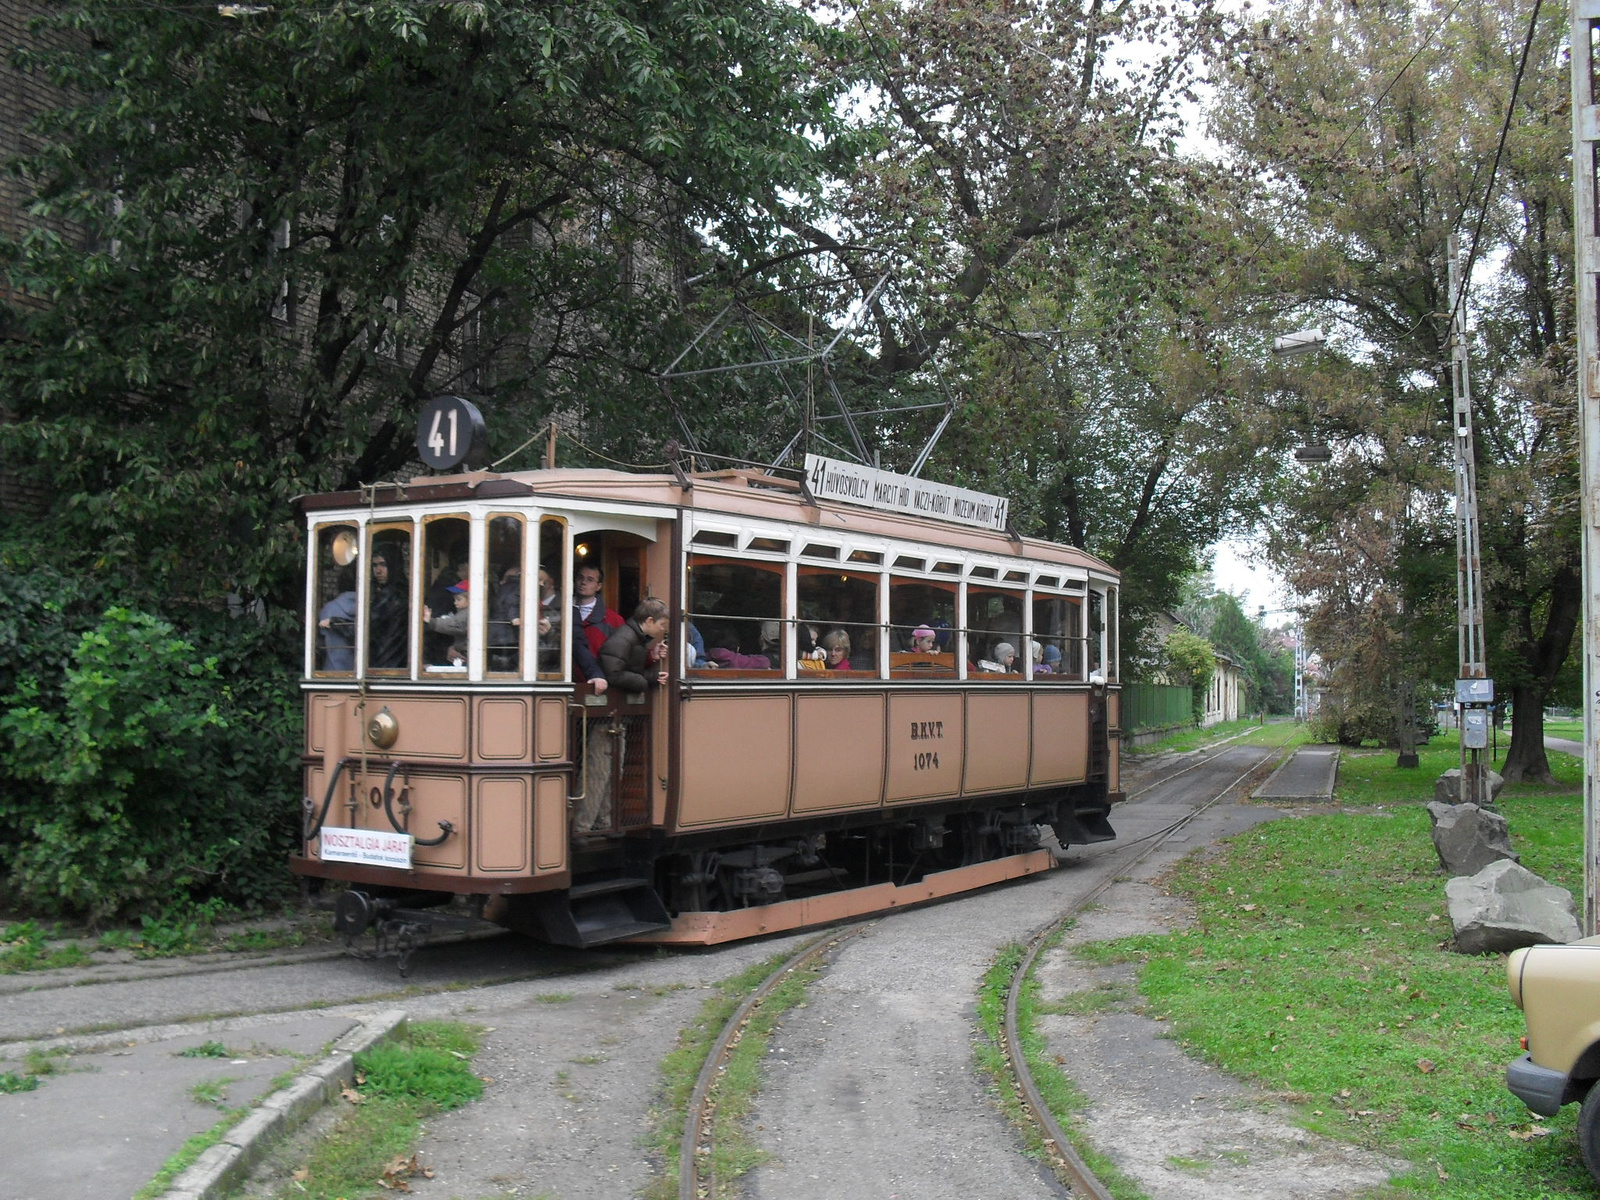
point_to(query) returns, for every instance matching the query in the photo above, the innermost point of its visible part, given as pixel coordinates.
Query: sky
(1255, 582)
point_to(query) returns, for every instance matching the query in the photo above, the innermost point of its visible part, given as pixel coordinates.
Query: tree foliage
(148, 772)
(301, 223)
(1373, 132)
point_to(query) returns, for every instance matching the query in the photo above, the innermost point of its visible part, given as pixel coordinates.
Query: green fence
(1155, 706)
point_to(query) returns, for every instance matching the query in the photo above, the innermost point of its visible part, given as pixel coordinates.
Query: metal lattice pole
(1469, 572)
(1586, 227)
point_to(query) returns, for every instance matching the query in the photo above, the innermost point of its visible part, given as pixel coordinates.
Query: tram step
(604, 887)
(1084, 828)
(589, 914)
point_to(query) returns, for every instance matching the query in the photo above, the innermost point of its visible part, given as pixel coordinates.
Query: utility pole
(1586, 230)
(1474, 688)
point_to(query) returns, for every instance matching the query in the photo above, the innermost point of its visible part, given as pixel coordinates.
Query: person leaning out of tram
(635, 655)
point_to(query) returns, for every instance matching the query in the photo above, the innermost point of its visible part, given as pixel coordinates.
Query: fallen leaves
(1527, 1133)
(351, 1096)
(400, 1169)
(1425, 1065)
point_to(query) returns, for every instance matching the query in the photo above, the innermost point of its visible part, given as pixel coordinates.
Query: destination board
(852, 483)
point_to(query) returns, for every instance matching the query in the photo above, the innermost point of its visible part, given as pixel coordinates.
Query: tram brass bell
(383, 729)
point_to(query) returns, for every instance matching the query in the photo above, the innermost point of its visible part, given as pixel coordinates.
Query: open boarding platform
(1308, 774)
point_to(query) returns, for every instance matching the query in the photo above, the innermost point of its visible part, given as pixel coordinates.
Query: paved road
(573, 1046)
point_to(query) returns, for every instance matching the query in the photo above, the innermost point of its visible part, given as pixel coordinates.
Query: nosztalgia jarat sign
(852, 483)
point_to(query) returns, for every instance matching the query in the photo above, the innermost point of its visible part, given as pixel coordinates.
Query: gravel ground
(1180, 1129)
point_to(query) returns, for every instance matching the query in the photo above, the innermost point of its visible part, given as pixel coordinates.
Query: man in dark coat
(388, 612)
(641, 641)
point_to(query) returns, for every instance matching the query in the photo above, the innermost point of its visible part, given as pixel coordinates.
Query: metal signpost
(1586, 228)
(1474, 688)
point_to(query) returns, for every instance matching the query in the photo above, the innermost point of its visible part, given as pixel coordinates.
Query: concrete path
(1565, 745)
(110, 1112)
(1307, 775)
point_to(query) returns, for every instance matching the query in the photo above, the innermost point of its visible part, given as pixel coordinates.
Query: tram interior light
(345, 548)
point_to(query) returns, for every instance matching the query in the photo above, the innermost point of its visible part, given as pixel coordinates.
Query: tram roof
(745, 493)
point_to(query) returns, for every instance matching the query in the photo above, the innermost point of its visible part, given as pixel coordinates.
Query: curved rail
(698, 1125)
(1082, 1180)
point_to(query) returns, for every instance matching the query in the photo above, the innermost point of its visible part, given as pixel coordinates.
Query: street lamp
(1288, 346)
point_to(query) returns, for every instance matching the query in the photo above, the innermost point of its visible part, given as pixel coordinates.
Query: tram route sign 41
(451, 432)
(852, 483)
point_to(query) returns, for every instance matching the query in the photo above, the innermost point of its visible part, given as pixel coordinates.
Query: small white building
(1225, 693)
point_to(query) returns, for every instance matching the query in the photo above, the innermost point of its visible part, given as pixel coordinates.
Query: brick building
(23, 96)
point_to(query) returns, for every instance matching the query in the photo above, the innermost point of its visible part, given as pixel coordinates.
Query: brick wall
(23, 96)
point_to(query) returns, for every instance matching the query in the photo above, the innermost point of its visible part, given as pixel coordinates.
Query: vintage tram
(863, 708)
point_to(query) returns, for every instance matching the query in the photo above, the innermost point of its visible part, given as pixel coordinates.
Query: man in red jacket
(592, 623)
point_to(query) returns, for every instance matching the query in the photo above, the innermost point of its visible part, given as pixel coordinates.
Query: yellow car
(1558, 990)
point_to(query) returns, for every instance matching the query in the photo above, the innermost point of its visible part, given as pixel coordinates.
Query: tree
(1374, 132)
(302, 222)
(1191, 660)
(1048, 248)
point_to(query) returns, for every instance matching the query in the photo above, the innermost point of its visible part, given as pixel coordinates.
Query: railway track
(696, 1177)
(1068, 1164)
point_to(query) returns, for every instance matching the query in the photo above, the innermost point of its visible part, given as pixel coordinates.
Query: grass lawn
(1571, 730)
(1315, 969)
(1279, 733)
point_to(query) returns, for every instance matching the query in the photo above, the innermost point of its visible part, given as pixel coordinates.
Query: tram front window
(389, 599)
(553, 602)
(334, 599)
(505, 596)
(446, 543)
(737, 609)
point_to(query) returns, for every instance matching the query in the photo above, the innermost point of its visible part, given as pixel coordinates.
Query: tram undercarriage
(704, 889)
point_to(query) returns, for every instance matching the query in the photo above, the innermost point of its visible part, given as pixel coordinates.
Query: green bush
(146, 772)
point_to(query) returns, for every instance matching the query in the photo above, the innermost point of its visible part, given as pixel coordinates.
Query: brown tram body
(734, 800)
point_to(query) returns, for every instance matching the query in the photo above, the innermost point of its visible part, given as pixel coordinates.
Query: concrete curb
(224, 1166)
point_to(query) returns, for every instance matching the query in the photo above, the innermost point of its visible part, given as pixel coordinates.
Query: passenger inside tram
(337, 622)
(451, 626)
(549, 623)
(388, 606)
(836, 643)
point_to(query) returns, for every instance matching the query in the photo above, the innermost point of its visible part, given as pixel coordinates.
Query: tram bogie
(855, 701)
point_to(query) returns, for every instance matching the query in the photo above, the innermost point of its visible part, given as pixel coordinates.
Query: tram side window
(1097, 611)
(994, 632)
(334, 599)
(389, 599)
(1057, 636)
(737, 609)
(839, 617)
(552, 598)
(446, 550)
(922, 624)
(505, 596)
